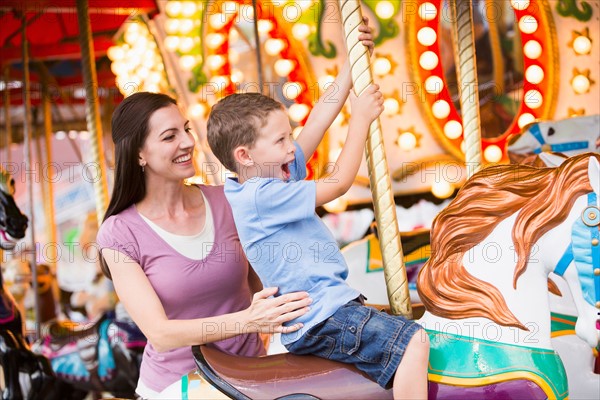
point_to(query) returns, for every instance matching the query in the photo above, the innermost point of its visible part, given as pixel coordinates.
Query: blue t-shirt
(287, 244)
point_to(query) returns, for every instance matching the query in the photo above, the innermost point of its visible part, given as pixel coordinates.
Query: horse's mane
(544, 197)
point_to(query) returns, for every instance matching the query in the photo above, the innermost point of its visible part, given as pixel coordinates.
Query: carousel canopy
(52, 31)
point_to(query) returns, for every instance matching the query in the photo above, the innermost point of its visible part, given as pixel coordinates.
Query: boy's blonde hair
(235, 121)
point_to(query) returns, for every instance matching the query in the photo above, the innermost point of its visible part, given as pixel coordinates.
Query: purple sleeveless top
(188, 289)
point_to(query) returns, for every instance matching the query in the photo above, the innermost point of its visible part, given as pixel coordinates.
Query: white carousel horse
(485, 292)
(569, 136)
(485, 285)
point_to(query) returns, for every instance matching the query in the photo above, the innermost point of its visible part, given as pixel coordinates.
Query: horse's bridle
(558, 147)
(587, 228)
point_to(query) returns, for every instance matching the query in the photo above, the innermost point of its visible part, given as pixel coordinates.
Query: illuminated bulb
(434, 84)
(73, 134)
(186, 26)
(463, 147)
(274, 46)
(528, 24)
(173, 8)
(426, 36)
(334, 154)
(298, 112)
(291, 90)
(582, 45)
(492, 153)
(532, 49)
(118, 68)
(533, 99)
(325, 81)
(440, 109)
(154, 78)
(84, 135)
(230, 8)
(300, 31)
(525, 119)
(382, 66)
(197, 110)
(172, 26)
(214, 40)
(296, 131)
(115, 53)
(187, 62)
(453, 129)
(428, 60)
(217, 21)
(427, 11)
(172, 43)
(265, 26)
(186, 44)
(131, 36)
(338, 120)
(442, 189)
(60, 135)
(384, 9)
(234, 56)
(220, 81)
(580, 84)
(188, 9)
(519, 4)
(407, 141)
(283, 67)
(215, 61)
(234, 36)
(534, 74)
(142, 72)
(338, 205)
(237, 76)
(391, 106)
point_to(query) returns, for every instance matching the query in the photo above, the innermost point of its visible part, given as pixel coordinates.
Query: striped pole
(466, 72)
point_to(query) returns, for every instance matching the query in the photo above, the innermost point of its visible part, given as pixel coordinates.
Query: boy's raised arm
(329, 105)
(365, 109)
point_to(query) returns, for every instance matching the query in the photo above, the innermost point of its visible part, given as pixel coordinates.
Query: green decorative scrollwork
(388, 28)
(569, 8)
(315, 40)
(199, 77)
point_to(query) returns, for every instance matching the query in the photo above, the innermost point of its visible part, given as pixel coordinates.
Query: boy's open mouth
(286, 171)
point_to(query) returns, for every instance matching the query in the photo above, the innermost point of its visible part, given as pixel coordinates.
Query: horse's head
(580, 263)
(570, 136)
(12, 222)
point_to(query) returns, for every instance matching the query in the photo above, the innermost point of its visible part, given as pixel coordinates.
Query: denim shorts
(372, 340)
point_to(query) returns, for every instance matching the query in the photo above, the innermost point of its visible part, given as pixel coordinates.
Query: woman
(173, 253)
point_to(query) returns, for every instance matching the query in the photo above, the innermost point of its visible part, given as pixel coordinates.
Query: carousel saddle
(284, 376)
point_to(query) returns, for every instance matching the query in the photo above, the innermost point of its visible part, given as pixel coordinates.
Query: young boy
(288, 245)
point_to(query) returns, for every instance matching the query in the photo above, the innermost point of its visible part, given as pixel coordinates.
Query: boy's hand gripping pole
(381, 186)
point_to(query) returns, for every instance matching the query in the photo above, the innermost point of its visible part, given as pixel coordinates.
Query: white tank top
(187, 245)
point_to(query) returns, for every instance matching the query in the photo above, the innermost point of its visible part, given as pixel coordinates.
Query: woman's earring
(143, 165)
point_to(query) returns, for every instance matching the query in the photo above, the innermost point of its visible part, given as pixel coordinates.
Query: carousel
(476, 209)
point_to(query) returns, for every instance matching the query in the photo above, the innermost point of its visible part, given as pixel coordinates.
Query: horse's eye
(550, 131)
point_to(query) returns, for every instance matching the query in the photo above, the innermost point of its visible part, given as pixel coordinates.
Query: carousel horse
(23, 374)
(485, 293)
(569, 136)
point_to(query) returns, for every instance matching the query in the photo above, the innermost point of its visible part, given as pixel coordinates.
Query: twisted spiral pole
(381, 186)
(466, 72)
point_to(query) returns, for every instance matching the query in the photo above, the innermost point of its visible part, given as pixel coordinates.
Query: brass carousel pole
(381, 186)
(49, 186)
(7, 122)
(28, 167)
(92, 108)
(466, 71)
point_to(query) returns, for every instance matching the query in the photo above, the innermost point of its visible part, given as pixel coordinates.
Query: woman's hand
(267, 315)
(366, 37)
